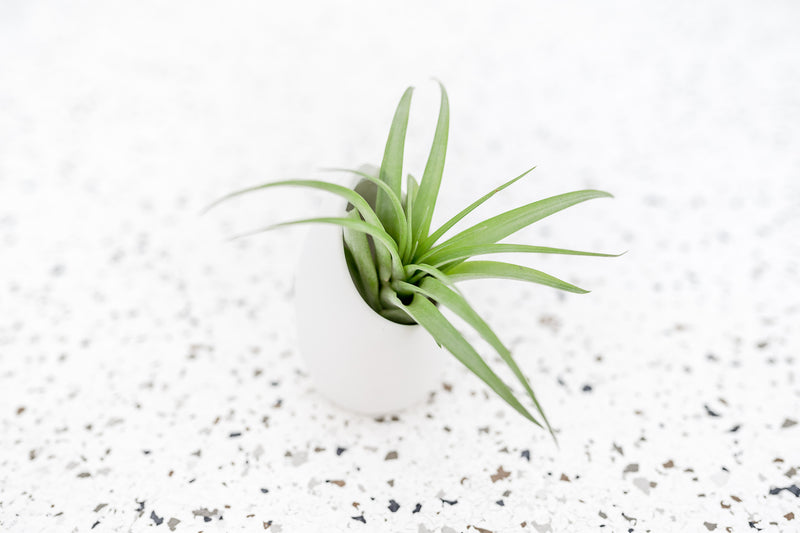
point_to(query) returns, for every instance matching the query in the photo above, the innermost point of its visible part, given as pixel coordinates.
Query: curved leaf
(432, 177)
(501, 226)
(431, 240)
(448, 257)
(392, 165)
(349, 194)
(429, 317)
(434, 289)
(397, 206)
(357, 244)
(496, 269)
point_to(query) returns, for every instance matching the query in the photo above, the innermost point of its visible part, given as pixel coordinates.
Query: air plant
(408, 274)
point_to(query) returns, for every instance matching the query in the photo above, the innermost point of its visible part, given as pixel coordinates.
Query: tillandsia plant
(407, 273)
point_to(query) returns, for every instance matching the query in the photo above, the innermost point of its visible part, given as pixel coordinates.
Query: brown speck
(500, 474)
(390, 456)
(84, 474)
(356, 504)
(564, 478)
(632, 467)
(788, 423)
(736, 498)
(789, 516)
(337, 482)
(20, 410)
(791, 472)
(481, 530)
(724, 505)
(266, 524)
(668, 464)
(447, 387)
(390, 483)
(32, 455)
(463, 479)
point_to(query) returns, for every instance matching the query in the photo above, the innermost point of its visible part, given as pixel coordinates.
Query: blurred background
(128, 323)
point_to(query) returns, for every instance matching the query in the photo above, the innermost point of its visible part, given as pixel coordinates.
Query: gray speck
(642, 484)
(299, 458)
(172, 523)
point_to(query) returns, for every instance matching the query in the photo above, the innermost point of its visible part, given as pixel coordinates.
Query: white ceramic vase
(358, 359)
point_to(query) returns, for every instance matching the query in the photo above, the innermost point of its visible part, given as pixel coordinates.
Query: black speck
(264, 491)
(146, 452)
(235, 434)
(340, 450)
(794, 489)
(753, 525)
(710, 412)
(155, 518)
(735, 428)
(417, 508)
(360, 519)
(587, 388)
(95, 524)
(449, 502)
(526, 454)
(206, 519)
(141, 505)
(393, 506)
(501, 503)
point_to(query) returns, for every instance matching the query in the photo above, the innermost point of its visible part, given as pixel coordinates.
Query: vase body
(356, 358)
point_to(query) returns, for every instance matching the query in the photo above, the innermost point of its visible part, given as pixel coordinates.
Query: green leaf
(434, 289)
(358, 225)
(411, 193)
(495, 269)
(353, 269)
(350, 195)
(432, 177)
(357, 244)
(392, 165)
(429, 317)
(397, 207)
(501, 226)
(431, 240)
(449, 257)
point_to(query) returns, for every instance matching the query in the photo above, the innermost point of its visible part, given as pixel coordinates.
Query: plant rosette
(374, 280)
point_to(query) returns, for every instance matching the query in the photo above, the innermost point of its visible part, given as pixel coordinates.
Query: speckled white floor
(148, 374)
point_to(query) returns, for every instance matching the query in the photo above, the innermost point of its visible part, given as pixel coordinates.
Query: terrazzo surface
(148, 372)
